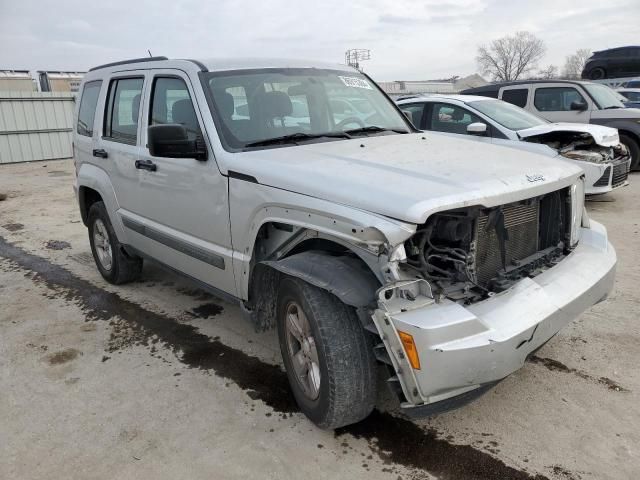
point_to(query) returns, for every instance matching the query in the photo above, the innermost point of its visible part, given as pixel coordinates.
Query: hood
(409, 176)
(616, 113)
(603, 136)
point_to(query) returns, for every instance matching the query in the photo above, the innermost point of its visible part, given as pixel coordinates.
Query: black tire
(124, 268)
(347, 366)
(634, 150)
(597, 73)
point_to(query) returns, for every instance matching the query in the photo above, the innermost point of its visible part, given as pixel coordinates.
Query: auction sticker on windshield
(355, 82)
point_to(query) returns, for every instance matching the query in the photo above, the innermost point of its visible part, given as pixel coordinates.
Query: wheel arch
(94, 185)
(629, 133)
(349, 272)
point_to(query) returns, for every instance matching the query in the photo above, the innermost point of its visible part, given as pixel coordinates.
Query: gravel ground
(158, 379)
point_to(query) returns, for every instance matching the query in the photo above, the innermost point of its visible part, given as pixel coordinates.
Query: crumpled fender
(346, 277)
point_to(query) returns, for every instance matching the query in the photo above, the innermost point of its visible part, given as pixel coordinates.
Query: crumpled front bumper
(462, 348)
(605, 177)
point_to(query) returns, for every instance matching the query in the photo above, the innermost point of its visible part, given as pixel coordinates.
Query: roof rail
(125, 62)
(202, 66)
(407, 97)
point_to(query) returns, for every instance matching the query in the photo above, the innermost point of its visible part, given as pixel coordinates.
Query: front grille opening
(620, 174)
(469, 254)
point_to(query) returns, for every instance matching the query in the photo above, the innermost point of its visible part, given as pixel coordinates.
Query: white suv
(368, 244)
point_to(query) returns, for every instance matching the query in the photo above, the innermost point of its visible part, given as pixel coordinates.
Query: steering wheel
(349, 120)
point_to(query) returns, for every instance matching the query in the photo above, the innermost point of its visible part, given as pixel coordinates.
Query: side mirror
(477, 128)
(171, 140)
(578, 105)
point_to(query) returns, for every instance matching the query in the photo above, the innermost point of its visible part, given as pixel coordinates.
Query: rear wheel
(114, 264)
(597, 73)
(634, 150)
(327, 354)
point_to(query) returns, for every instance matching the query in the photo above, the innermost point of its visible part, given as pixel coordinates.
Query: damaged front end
(610, 159)
(478, 289)
(470, 254)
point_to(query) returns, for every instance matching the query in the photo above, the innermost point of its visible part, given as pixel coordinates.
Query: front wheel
(634, 150)
(327, 355)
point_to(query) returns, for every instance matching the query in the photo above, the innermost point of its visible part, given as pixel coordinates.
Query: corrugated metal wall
(35, 126)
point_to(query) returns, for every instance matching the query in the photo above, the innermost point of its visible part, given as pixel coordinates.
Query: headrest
(182, 112)
(276, 104)
(225, 103)
(457, 115)
(135, 108)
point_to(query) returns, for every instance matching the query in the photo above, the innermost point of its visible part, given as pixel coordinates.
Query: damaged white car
(595, 148)
(373, 248)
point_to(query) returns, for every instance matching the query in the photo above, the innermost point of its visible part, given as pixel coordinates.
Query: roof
(435, 97)
(616, 48)
(495, 86)
(218, 64)
(249, 63)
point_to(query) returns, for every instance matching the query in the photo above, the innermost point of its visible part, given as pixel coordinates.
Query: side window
(171, 103)
(451, 118)
(556, 99)
(516, 96)
(415, 111)
(123, 107)
(87, 112)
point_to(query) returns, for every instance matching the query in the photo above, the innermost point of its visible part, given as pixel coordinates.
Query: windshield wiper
(611, 107)
(295, 138)
(374, 129)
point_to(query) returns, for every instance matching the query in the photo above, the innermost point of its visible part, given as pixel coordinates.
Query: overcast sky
(409, 40)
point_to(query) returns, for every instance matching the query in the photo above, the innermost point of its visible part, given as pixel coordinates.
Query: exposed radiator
(521, 223)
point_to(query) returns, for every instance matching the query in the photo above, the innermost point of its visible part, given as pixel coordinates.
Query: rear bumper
(462, 348)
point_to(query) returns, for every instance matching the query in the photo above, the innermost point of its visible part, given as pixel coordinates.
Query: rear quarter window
(516, 96)
(87, 111)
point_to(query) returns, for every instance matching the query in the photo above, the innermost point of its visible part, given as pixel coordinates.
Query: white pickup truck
(368, 244)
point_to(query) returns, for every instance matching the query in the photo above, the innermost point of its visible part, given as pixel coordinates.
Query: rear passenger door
(117, 148)
(183, 219)
(553, 102)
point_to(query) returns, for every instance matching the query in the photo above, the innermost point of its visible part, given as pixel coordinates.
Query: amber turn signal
(410, 349)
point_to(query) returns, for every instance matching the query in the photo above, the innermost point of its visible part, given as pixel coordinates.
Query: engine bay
(470, 254)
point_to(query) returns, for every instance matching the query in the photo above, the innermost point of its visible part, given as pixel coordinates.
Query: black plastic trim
(221, 294)
(242, 176)
(202, 66)
(448, 404)
(181, 246)
(126, 62)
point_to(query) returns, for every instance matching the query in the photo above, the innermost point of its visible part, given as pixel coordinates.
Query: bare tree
(574, 64)
(551, 71)
(510, 57)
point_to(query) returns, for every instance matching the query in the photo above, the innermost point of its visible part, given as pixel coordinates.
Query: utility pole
(354, 56)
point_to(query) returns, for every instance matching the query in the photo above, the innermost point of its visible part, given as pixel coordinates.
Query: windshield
(507, 115)
(284, 106)
(603, 96)
(630, 96)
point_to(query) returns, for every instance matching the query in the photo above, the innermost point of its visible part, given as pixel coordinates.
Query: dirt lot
(158, 379)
